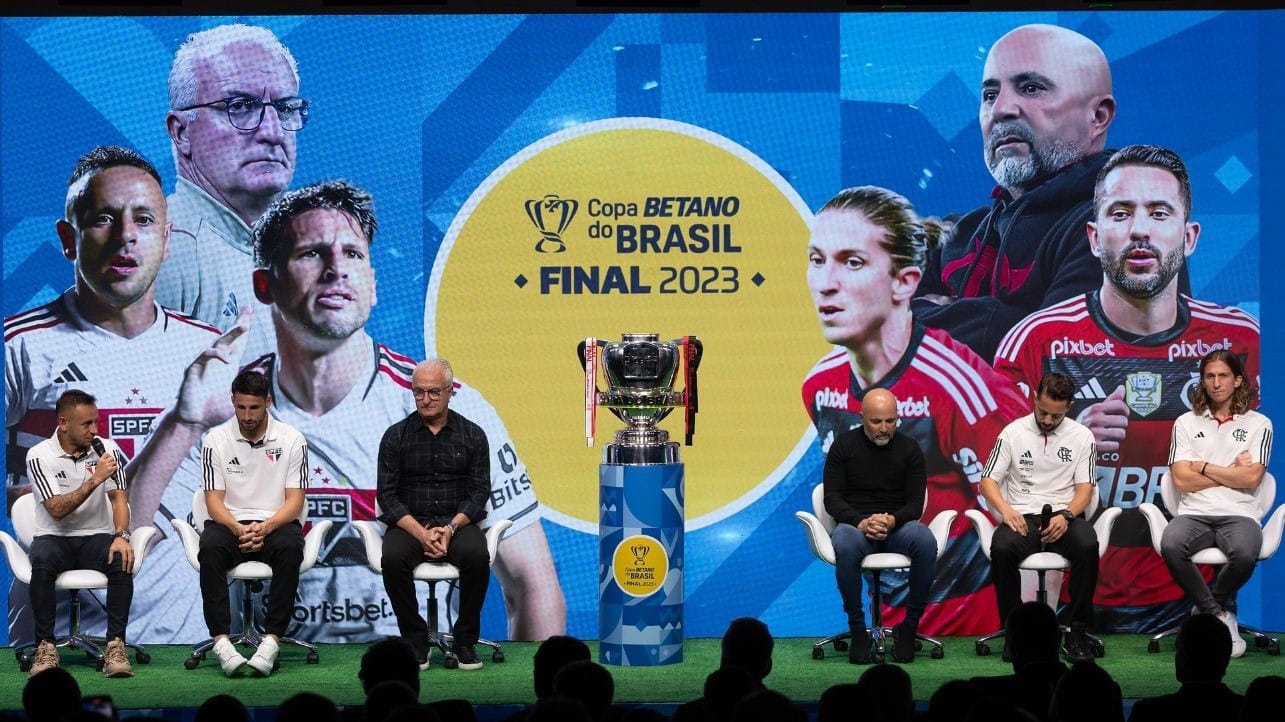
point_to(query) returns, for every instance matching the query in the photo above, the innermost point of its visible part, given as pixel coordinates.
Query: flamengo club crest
(1142, 392)
(551, 215)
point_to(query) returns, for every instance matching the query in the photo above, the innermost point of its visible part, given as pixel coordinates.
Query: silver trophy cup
(640, 371)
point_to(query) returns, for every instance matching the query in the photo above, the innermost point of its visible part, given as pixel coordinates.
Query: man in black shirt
(874, 489)
(432, 485)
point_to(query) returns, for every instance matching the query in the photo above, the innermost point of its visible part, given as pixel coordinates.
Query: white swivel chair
(372, 535)
(23, 515)
(248, 574)
(1045, 561)
(1264, 496)
(818, 524)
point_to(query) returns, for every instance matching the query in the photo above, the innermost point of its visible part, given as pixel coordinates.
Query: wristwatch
(454, 527)
(1066, 514)
(122, 534)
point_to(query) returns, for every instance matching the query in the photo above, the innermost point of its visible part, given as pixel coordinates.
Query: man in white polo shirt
(1040, 462)
(1217, 458)
(82, 522)
(255, 471)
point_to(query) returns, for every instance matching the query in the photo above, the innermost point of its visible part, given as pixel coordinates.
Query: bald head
(879, 415)
(1046, 103)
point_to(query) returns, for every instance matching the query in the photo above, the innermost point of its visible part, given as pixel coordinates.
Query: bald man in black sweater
(874, 488)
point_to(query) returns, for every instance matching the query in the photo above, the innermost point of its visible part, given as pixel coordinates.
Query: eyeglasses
(246, 113)
(430, 393)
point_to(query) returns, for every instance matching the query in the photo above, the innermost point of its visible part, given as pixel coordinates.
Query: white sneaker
(1237, 642)
(229, 659)
(265, 657)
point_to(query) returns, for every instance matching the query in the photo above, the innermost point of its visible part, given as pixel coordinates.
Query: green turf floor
(165, 684)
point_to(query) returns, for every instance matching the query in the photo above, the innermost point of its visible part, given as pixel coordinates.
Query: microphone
(99, 449)
(1045, 515)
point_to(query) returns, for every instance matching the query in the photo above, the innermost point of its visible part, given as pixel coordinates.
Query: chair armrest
(373, 539)
(1156, 521)
(493, 536)
(985, 529)
(818, 537)
(1102, 527)
(312, 543)
(940, 527)
(190, 539)
(19, 562)
(140, 540)
(1272, 532)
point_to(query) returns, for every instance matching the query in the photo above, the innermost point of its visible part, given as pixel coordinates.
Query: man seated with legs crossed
(256, 472)
(1039, 479)
(874, 488)
(1217, 459)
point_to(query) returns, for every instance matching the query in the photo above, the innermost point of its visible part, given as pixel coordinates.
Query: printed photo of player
(865, 260)
(1131, 348)
(106, 335)
(341, 389)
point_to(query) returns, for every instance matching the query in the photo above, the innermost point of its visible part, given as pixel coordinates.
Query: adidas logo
(60, 475)
(71, 374)
(230, 307)
(1091, 391)
(1200, 434)
(1026, 454)
(235, 461)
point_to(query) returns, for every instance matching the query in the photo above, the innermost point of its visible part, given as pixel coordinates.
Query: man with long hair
(1217, 459)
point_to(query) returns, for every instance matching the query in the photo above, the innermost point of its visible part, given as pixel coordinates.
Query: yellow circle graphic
(633, 225)
(640, 565)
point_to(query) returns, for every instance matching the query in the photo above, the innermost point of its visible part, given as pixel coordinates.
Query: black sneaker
(1078, 646)
(903, 645)
(468, 657)
(859, 647)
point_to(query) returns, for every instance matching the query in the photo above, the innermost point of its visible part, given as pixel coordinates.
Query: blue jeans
(851, 546)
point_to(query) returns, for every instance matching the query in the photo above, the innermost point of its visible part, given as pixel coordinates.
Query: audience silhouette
(1202, 653)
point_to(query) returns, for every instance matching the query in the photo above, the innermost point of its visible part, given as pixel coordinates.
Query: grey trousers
(1239, 537)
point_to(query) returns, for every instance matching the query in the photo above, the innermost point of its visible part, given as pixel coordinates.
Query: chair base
(1262, 640)
(92, 646)
(983, 648)
(446, 641)
(879, 639)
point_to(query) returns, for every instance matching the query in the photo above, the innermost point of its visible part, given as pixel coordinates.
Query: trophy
(640, 372)
(640, 493)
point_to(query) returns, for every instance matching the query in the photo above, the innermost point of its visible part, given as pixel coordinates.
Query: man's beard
(1142, 288)
(1019, 173)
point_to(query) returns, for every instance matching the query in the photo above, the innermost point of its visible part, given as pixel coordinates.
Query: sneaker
(265, 657)
(1078, 646)
(229, 659)
(46, 658)
(425, 659)
(903, 645)
(1237, 642)
(467, 657)
(859, 646)
(115, 662)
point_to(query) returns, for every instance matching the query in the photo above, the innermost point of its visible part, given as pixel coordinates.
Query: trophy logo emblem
(551, 215)
(1142, 392)
(640, 554)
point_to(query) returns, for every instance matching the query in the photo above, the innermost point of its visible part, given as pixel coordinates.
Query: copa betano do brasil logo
(633, 225)
(639, 565)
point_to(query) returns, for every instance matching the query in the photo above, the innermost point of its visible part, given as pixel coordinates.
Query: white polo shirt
(1033, 469)
(54, 472)
(254, 476)
(1201, 437)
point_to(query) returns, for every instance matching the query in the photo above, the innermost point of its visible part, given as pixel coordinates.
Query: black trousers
(402, 553)
(282, 551)
(1079, 545)
(52, 555)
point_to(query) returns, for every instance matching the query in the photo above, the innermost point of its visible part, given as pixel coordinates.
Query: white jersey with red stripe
(954, 405)
(1155, 375)
(340, 599)
(53, 348)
